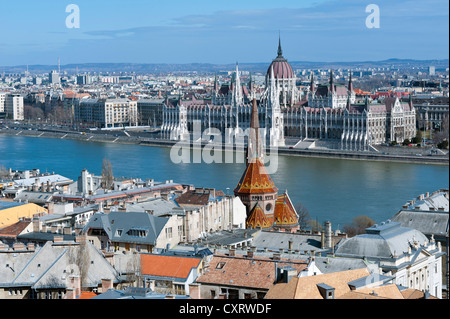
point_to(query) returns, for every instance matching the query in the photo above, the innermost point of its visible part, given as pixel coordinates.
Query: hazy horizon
(211, 32)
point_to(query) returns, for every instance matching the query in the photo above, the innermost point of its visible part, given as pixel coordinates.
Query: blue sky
(196, 31)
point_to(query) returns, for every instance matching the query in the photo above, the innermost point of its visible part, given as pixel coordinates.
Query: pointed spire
(280, 50)
(215, 82)
(331, 81)
(312, 87)
(254, 143)
(350, 83)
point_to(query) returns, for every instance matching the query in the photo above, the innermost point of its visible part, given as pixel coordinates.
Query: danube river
(331, 189)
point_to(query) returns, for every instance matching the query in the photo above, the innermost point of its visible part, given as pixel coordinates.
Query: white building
(328, 111)
(12, 105)
(403, 253)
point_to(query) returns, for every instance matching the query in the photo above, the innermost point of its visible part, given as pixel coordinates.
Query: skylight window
(220, 265)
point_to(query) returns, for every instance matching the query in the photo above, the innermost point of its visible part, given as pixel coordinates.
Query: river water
(331, 189)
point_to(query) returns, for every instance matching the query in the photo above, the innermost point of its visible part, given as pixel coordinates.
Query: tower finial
(280, 50)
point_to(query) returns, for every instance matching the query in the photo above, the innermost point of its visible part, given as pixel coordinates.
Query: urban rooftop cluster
(102, 237)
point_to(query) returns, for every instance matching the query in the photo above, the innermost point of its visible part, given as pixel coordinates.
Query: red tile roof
(15, 229)
(255, 180)
(244, 272)
(258, 219)
(87, 295)
(168, 266)
(285, 214)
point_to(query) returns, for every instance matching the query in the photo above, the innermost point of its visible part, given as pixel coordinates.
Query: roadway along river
(331, 189)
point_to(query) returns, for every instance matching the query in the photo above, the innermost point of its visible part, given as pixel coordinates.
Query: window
(119, 232)
(220, 265)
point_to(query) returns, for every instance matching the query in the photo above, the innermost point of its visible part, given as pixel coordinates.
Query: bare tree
(4, 173)
(32, 113)
(443, 134)
(303, 216)
(79, 257)
(107, 174)
(358, 226)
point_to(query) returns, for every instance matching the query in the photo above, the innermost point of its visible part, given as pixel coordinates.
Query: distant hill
(149, 68)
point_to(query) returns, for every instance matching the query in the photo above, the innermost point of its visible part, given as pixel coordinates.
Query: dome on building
(387, 240)
(282, 69)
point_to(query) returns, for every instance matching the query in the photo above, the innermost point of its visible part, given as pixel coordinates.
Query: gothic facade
(330, 112)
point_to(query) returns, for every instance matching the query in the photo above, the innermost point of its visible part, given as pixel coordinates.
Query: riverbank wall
(319, 153)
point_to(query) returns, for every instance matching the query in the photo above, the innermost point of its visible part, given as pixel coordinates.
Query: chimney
(328, 235)
(276, 256)
(51, 207)
(251, 252)
(232, 251)
(37, 225)
(31, 246)
(107, 284)
(194, 291)
(57, 239)
(74, 288)
(18, 247)
(80, 239)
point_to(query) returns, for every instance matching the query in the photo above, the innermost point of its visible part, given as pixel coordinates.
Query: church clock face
(268, 207)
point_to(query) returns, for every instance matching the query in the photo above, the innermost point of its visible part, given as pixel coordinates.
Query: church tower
(265, 208)
(256, 188)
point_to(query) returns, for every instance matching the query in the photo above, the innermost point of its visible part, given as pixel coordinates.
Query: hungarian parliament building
(329, 112)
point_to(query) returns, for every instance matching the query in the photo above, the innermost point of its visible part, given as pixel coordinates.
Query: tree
(303, 216)
(358, 226)
(4, 172)
(79, 261)
(315, 225)
(443, 145)
(32, 113)
(418, 138)
(107, 174)
(441, 137)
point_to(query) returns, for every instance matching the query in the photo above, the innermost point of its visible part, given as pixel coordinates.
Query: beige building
(107, 113)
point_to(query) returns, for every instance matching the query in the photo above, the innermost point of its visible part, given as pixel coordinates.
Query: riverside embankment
(419, 156)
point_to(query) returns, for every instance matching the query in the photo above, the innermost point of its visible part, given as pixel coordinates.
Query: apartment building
(107, 113)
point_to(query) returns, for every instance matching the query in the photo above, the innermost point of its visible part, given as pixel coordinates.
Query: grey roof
(11, 264)
(56, 178)
(336, 264)
(6, 205)
(119, 226)
(370, 280)
(226, 238)
(435, 201)
(51, 265)
(280, 240)
(135, 293)
(159, 206)
(381, 241)
(34, 197)
(430, 223)
(44, 236)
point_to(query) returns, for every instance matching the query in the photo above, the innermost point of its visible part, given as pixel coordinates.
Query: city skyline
(205, 32)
